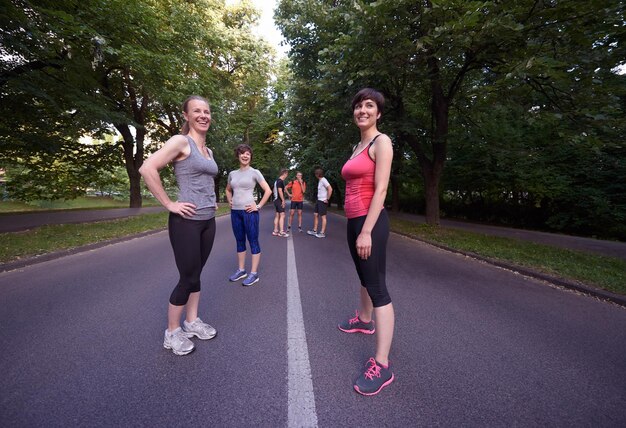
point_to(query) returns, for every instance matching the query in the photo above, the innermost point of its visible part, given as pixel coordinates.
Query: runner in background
(297, 187)
(279, 204)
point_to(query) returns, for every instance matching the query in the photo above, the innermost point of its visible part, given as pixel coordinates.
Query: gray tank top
(195, 176)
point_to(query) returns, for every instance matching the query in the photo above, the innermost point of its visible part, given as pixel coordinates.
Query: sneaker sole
(179, 352)
(238, 278)
(356, 388)
(357, 330)
(191, 334)
(252, 283)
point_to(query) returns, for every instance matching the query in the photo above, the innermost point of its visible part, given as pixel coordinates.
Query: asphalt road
(29, 220)
(475, 345)
(24, 221)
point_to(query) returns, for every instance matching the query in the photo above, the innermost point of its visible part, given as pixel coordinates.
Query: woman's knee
(180, 294)
(379, 295)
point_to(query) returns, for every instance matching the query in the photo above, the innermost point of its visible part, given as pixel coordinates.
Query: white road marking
(300, 397)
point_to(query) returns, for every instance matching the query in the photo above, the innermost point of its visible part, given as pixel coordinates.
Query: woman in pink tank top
(367, 176)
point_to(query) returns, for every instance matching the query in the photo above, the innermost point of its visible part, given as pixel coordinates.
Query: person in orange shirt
(297, 187)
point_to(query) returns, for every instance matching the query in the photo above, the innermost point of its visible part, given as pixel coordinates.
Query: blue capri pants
(246, 225)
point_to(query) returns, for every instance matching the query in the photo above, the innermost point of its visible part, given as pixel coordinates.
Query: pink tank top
(359, 175)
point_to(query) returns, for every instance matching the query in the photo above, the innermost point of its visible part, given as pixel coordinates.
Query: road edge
(522, 270)
(33, 260)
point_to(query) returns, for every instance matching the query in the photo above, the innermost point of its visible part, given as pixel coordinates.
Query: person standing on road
(367, 174)
(297, 187)
(324, 192)
(279, 204)
(244, 212)
(191, 221)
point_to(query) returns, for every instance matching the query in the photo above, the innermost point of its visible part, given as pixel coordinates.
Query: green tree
(99, 66)
(426, 55)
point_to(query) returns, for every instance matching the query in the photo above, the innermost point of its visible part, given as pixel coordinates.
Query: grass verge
(608, 273)
(85, 202)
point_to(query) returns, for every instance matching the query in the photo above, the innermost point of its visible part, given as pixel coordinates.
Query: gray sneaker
(253, 278)
(355, 325)
(199, 329)
(320, 235)
(178, 342)
(311, 232)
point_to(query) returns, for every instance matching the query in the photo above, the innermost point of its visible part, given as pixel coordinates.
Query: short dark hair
(242, 148)
(283, 171)
(369, 94)
(319, 172)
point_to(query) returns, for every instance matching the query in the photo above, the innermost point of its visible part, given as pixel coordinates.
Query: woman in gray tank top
(191, 222)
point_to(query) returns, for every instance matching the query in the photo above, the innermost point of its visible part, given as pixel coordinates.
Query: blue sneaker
(253, 278)
(241, 273)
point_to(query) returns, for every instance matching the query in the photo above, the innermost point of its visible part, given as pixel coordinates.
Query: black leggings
(192, 241)
(372, 271)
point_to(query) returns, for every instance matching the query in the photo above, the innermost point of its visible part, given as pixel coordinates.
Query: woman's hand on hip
(184, 209)
(251, 208)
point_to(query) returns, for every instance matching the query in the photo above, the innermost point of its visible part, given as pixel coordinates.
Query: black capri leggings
(372, 271)
(192, 241)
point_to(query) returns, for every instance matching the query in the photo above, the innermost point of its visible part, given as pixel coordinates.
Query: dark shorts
(297, 205)
(320, 207)
(278, 204)
(372, 271)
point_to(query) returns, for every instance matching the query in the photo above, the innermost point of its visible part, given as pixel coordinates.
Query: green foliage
(96, 67)
(519, 99)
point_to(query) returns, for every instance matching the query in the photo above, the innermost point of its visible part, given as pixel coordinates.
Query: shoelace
(200, 325)
(372, 370)
(179, 336)
(354, 320)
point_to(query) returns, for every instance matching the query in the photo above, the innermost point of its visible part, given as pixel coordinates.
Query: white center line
(300, 397)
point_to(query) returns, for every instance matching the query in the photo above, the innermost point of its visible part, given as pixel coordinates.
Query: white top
(322, 189)
(243, 184)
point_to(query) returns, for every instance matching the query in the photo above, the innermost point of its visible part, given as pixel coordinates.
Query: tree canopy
(522, 96)
(504, 111)
(97, 67)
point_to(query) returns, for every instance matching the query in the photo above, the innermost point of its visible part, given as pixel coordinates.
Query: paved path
(25, 221)
(17, 222)
(474, 345)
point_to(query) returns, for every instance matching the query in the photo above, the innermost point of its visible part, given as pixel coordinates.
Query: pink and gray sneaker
(374, 378)
(355, 325)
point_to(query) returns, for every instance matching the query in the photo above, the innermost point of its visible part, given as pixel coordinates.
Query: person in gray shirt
(191, 221)
(244, 212)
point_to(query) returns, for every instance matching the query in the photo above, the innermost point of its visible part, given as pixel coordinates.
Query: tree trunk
(132, 161)
(216, 183)
(431, 188)
(337, 196)
(395, 194)
(135, 189)
(395, 173)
